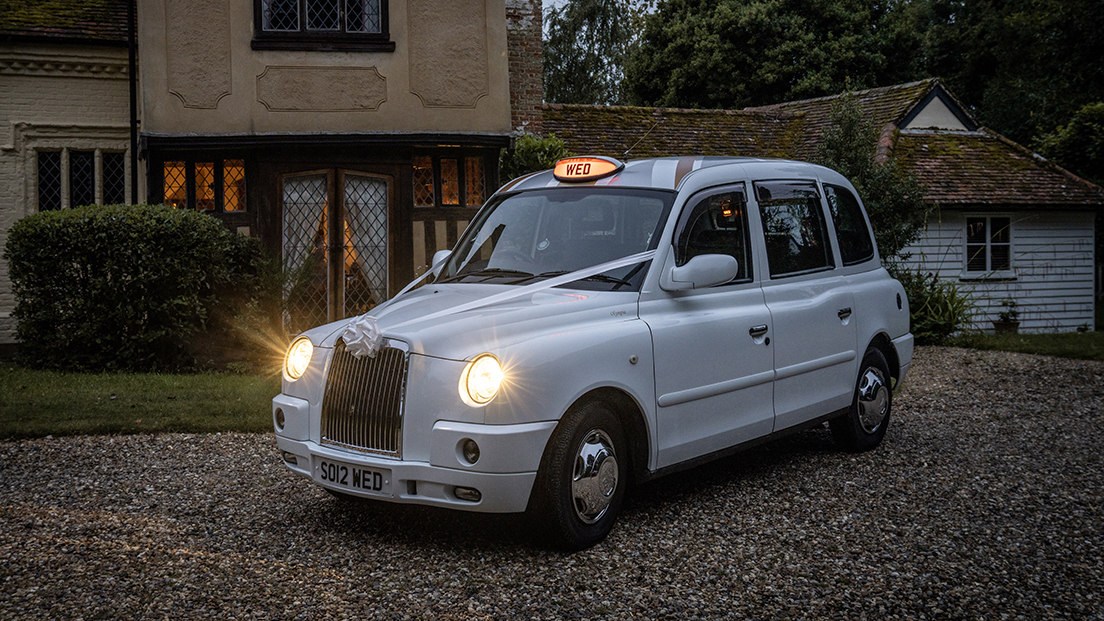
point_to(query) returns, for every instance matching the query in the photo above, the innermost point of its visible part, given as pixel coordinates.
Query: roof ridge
(654, 109)
(885, 89)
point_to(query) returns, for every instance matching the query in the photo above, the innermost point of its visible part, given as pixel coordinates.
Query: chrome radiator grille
(363, 404)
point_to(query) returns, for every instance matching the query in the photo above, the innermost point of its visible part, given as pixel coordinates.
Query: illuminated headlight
(298, 357)
(481, 380)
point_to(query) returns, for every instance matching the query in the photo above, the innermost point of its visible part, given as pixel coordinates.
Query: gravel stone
(984, 502)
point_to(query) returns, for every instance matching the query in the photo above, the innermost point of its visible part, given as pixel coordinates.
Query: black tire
(864, 425)
(582, 479)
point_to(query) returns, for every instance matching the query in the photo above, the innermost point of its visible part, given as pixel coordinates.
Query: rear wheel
(582, 478)
(864, 425)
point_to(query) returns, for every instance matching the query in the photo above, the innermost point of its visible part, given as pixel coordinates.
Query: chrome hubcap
(594, 479)
(873, 399)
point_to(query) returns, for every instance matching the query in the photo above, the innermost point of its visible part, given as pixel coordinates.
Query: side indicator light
(586, 168)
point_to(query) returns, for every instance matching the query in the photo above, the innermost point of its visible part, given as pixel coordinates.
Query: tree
(1079, 145)
(585, 49)
(531, 154)
(738, 53)
(893, 198)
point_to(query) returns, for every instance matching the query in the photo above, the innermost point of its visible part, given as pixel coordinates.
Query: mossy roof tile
(64, 20)
(966, 168)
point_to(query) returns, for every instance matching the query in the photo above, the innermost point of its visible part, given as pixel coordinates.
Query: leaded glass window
(49, 180)
(321, 24)
(477, 183)
(424, 193)
(82, 178)
(114, 178)
(449, 181)
(217, 185)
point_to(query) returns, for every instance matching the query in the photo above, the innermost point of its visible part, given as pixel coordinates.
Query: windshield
(529, 236)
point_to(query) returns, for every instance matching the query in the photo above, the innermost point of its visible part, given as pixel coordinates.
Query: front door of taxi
(713, 359)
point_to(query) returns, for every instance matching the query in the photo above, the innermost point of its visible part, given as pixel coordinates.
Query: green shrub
(938, 308)
(123, 287)
(531, 154)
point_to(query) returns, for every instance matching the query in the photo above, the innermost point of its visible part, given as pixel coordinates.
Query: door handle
(757, 331)
(844, 313)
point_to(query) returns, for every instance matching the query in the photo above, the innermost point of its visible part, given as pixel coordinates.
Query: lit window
(988, 244)
(450, 182)
(476, 182)
(204, 186)
(424, 194)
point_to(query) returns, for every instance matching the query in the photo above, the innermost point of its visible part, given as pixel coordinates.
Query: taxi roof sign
(586, 168)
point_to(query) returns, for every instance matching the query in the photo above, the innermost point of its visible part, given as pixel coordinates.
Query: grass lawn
(1080, 345)
(40, 403)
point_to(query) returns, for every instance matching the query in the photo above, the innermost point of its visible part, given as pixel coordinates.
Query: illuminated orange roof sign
(586, 168)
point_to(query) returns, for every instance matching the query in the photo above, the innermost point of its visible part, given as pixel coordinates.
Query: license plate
(353, 478)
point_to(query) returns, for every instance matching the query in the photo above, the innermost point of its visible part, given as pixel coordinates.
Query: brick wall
(523, 27)
(55, 98)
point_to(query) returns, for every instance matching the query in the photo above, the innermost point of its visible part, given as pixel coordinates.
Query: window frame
(219, 162)
(321, 40)
(65, 176)
(988, 273)
(461, 179)
(681, 230)
(836, 189)
(824, 217)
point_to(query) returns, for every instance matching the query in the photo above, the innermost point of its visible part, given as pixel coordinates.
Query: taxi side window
(851, 232)
(717, 224)
(793, 223)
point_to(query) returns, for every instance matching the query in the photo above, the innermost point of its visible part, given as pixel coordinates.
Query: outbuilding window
(988, 246)
(351, 25)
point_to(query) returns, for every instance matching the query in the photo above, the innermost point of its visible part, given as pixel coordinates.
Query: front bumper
(504, 473)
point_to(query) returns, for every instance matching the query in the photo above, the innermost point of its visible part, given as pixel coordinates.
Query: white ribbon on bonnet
(363, 337)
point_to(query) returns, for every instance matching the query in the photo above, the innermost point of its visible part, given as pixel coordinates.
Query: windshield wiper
(490, 272)
(595, 277)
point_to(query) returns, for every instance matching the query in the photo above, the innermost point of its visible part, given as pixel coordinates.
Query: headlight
(481, 380)
(298, 357)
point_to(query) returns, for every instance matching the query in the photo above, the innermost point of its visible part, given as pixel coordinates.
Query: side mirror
(439, 259)
(702, 271)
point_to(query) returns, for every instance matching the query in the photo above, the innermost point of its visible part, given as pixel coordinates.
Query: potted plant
(1008, 320)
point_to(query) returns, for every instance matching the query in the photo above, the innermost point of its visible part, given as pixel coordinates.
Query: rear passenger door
(811, 305)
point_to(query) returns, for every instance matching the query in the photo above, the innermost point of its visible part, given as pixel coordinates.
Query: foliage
(1079, 145)
(737, 53)
(125, 287)
(1011, 311)
(893, 198)
(37, 403)
(585, 48)
(531, 154)
(938, 309)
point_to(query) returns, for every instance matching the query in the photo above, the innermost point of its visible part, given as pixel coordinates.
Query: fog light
(291, 458)
(468, 493)
(279, 419)
(470, 450)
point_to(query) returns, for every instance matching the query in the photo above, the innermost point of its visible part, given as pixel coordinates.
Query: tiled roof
(65, 20)
(965, 168)
(983, 168)
(885, 105)
(656, 132)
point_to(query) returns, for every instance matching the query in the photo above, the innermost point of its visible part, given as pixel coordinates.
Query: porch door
(335, 245)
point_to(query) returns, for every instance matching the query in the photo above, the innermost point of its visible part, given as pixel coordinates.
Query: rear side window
(851, 232)
(717, 224)
(793, 224)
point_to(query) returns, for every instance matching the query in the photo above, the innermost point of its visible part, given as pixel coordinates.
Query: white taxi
(601, 324)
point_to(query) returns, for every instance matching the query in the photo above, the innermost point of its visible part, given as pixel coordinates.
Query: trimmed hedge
(122, 287)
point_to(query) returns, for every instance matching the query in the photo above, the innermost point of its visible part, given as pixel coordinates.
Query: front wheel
(582, 478)
(864, 425)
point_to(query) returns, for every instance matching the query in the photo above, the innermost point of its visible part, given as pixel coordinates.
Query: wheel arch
(884, 344)
(631, 415)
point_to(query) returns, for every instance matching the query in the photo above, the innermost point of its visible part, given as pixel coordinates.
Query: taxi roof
(665, 173)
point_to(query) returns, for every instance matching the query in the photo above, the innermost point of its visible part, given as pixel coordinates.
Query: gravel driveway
(984, 502)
